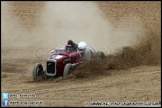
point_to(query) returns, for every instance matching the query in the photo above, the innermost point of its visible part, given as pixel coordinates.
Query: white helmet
(81, 46)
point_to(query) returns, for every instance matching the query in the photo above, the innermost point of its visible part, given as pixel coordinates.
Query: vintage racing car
(62, 60)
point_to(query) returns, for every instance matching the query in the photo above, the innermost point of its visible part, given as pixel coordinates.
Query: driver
(73, 45)
(84, 51)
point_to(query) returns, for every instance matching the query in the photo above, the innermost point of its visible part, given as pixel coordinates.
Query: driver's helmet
(81, 47)
(69, 47)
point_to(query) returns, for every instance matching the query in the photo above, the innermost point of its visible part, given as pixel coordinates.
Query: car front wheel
(37, 71)
(67, 69)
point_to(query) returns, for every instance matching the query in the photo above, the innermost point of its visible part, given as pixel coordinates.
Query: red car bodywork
(63, 60)
(60, 57)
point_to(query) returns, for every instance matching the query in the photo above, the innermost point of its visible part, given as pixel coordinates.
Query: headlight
(52, 51)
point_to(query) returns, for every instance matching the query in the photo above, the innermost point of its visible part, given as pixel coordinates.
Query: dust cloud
(79, 21)
(41, 26)
(83, 21)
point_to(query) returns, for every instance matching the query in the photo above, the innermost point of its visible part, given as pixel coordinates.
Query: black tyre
(100, 56)
(67, 69)
(37, 71)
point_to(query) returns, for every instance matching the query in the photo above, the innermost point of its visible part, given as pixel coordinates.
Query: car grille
(51, 67)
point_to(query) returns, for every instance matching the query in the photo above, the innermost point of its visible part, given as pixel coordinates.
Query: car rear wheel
(100, 56)
(67, 69)
(37, 71)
